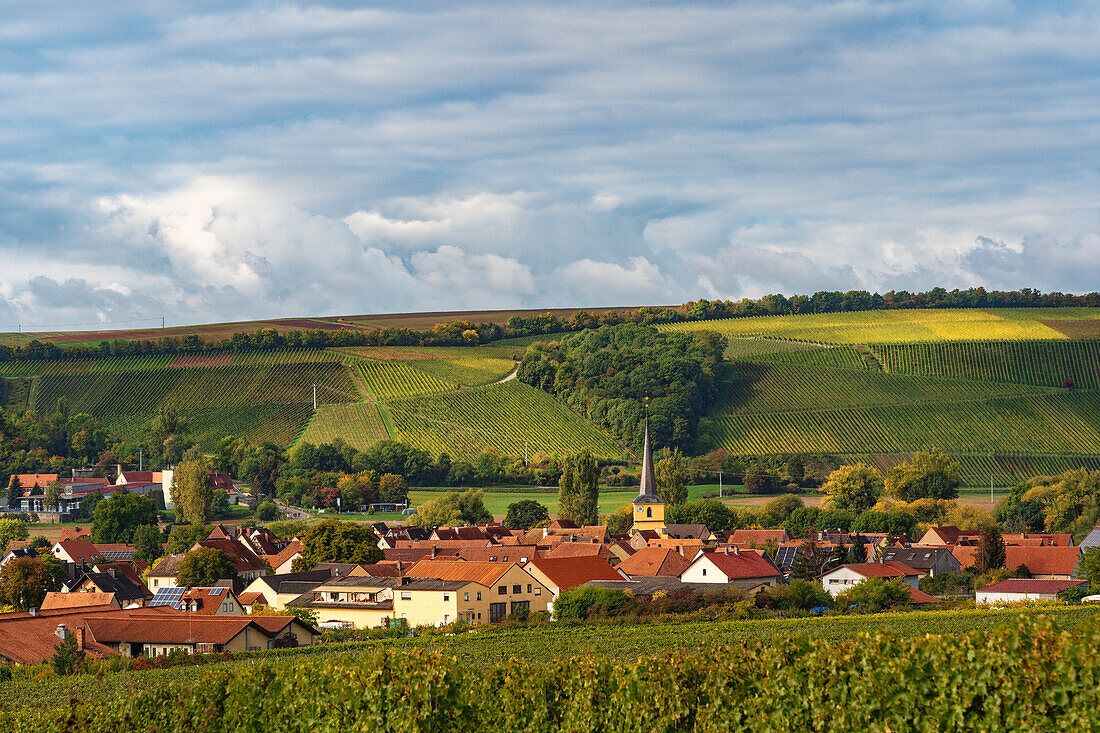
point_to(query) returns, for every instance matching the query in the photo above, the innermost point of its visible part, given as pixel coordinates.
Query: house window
(517, 588)
(704, 572)
(406, 596)
(446, 619)
(479, 595)
(465, 596)
(538, 591)
(528, 587)
(497, 611)
(648, 513)
(446, 597)
(502, 590)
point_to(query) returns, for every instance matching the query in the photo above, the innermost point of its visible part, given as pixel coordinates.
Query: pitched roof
(279, 559)
(135, 477)
(500, 553)
(647, 489)
(916, 596)
(121, 585)
(55, 601)
(25, 639)
(758, 536)
(948, 534)
(244, 558)
(579, 549)
(30, 480)
(741, 564)
(179, 629)
(1039, 560)
(920, 558)
(168, 567)
(80, 550)
(1040, 540)
(247, 599)
(207, 600)
(1031, 585)
(569, 572)
(485, 573)
(414, 554)
(75, 533)
(276, 582)
(655, 561)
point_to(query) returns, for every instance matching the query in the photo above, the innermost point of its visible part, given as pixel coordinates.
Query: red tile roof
(245, 558)
(579, 549)
(30, 480)
(55, 601)
(275, 561)
(25, 639)
(918, 596)
(75, 533)
(79, 550)
(742, 565)
(655, 561)
(1039, 540)
(485, 573)
(569, 572)
(208, 600)
(1031, 585)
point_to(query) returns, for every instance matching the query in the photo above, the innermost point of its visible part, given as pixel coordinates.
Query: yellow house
(361, 602)
(649, 507)
(505, 589)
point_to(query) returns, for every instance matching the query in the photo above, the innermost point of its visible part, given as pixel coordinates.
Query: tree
(857, 553)
(855, 488)
(991, 550)
(12, 530)
(68, 657)
(393, 489)
(525, 514)
(669, 473)
(1089, 567)
(879, 593)
(471, 507)
(441, 512)
(147, 540)
(710, 512)
(775, 511)
(927, 476)
(184, 536)
(802, 595)
(802, 520)
(335, 541)
(219, 504)
(25, 581)
(116, 519)
(620, 520)
(809, 561)
(191, 492)
(578, 490)
(15, 492)
(52, 495)
(205, 566)
(267, 511)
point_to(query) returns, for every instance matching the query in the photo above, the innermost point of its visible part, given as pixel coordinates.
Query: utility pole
(719, 484)
(315, 397)
(524, 451)
(162, 321)
(990, 488)
(141, 458)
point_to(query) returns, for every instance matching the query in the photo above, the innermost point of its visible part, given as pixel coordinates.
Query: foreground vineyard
(1048, 363)
(506, 416)
(971, 681)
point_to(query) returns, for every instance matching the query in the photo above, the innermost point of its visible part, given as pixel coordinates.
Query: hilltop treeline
(466, 333)
(606, 374)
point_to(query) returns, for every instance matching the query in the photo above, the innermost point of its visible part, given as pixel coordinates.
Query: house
(654, 561)
(134, 477)
(584, 549)
(275, 591)
(949, 535)
(842, 578)
(563, 573)
(745, 568)
(508, 589)
(249, 565)
(1016, 590)
(148, 635)
(1092, 539)
(34, 480)
(648, 506)
(165, 572)
(283, 562)
(216, 601)
(1042, 539)
(76, 551)
(125, 586)
(32, 636)
(1051, 563)
(928, 561)
(361, 602)
(76, 533)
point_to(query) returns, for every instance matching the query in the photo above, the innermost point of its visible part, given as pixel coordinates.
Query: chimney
(725, 550)
(62, 632)
(111, 572)
(32, 611)
(736, 550)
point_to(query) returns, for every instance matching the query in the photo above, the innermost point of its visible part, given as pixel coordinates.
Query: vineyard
(504, 416)
(1048, 363)
(962, 676)
(357, 423)
(381, 380)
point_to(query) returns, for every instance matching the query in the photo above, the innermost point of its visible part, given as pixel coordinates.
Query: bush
(583, 601)
(267, 511)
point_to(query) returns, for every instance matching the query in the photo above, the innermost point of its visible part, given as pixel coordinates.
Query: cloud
(302, 158)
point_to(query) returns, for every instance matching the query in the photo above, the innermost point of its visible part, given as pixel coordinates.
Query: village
(111, 603)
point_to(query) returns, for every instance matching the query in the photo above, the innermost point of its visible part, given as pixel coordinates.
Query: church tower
(649, 507)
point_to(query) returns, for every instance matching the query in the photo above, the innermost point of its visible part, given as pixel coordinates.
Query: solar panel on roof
(167, 596)
(118, 554)
(217, 591)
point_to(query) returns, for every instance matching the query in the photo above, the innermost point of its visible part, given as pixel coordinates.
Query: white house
(841, 579)
(1015, 590)
(732, 565)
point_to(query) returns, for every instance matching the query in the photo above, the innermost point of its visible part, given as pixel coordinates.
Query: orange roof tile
(569, 572)
(485, 573)
(655, 561)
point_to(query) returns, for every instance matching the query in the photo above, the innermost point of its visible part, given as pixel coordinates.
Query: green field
(498, 498)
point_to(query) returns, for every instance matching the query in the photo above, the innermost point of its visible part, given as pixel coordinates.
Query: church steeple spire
(648, 485)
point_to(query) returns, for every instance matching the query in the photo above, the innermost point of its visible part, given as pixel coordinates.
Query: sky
(215, 162)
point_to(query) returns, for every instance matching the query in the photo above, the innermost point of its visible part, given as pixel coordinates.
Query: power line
(48, 326)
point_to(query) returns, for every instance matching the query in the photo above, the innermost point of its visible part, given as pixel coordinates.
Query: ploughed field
(1010, 393)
